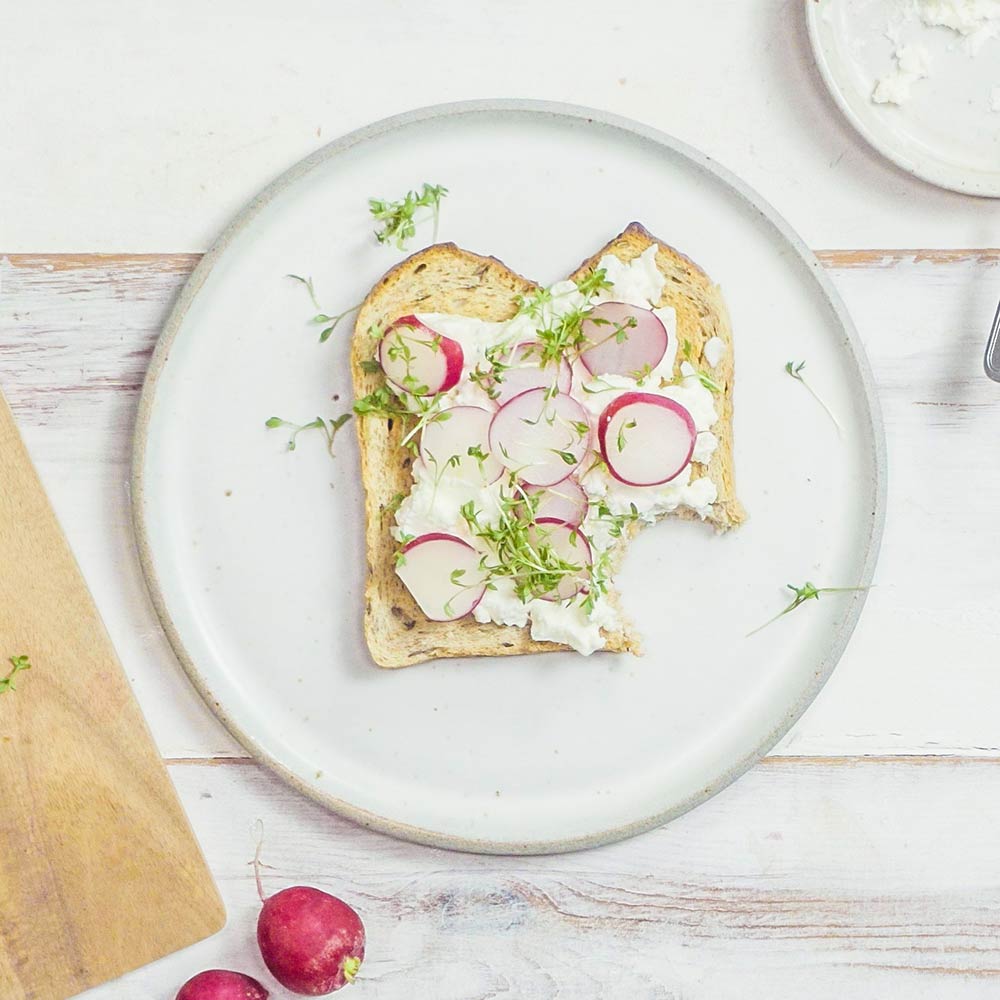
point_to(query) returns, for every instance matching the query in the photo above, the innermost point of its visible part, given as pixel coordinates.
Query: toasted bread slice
(445, 278)
(701, 315)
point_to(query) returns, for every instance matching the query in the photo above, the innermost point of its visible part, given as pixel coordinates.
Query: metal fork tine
(992, 360)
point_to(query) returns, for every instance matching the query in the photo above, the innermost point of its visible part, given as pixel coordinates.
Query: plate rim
(174, 323)
(950, 180)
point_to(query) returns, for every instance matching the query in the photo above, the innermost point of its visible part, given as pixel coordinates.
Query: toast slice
(701, 315)
(444, 278)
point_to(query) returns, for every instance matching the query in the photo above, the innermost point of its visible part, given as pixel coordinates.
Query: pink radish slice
(565, 501)
(566, 543)
(443, 575)
(526, 372)
(418, 360)
(542, 438)
(619, 347)
(645, 439)
(450, 434)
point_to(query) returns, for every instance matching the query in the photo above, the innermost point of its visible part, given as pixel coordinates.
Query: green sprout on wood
(17, 664)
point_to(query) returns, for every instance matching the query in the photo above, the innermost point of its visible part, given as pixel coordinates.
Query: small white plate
(255, 559)
(947, 132)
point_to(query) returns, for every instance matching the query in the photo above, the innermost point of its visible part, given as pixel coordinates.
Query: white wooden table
(862, 858)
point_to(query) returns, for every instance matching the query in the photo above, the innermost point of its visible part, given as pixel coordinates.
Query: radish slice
(447, 437)
(443, 575)
(418, 360)
(645, 439)
(626, 339)
(551, 537)
(542, 437)
(526, 372)
(565, 501)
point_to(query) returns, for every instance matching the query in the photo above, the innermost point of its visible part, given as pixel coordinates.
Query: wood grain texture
(861, 862)
(75, 337)
(871, 880)
(99, 871)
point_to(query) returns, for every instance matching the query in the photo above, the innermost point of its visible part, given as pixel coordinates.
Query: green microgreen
(321, 318)
(397, 218)
(708, 382)
(520, 550)
(562, 336)
(703, 377)
(17, 664)
(328, 427)
(399, 556)
(795, 370)
(807, 592)
(620, 441)
(643, 373)
(616, 522)
(593, 282)
(476, 452)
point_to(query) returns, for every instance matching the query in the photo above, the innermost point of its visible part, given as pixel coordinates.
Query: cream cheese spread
(437, 497)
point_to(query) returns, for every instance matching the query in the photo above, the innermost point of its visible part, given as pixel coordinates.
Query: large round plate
(255, 560)
(947, 133)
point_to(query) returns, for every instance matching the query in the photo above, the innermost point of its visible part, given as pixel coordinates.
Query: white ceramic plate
(947, 132)
(255, 560)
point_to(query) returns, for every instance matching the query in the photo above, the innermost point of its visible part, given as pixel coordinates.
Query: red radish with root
(540, 435)
(645, 439)
(526, 372)
(417, 360)
(454, 441)
(442, 573)
(567, 544)
(311, 942)
(624, 339)
(218, 984)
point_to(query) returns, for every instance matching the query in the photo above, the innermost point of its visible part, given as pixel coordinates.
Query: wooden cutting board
(99, 870)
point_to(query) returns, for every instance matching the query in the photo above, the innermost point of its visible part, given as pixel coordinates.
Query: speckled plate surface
(255, 560)
(948, 132)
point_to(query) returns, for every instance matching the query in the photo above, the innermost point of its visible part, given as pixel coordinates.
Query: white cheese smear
(896, 87)
(975, 22)
(435, 500)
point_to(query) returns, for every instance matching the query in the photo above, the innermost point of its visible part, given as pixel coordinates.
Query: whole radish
(312, 942)
(218, 984)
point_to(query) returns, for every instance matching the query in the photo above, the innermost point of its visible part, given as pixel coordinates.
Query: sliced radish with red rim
(624, 339)
(448, 438)
(645, 439)
(418, 360)
(442, 573)
(541, 436)
(565, 501)
(556, 540)
(526, 372)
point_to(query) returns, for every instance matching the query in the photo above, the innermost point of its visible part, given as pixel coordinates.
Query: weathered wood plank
(805, 878)
(920, 676)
